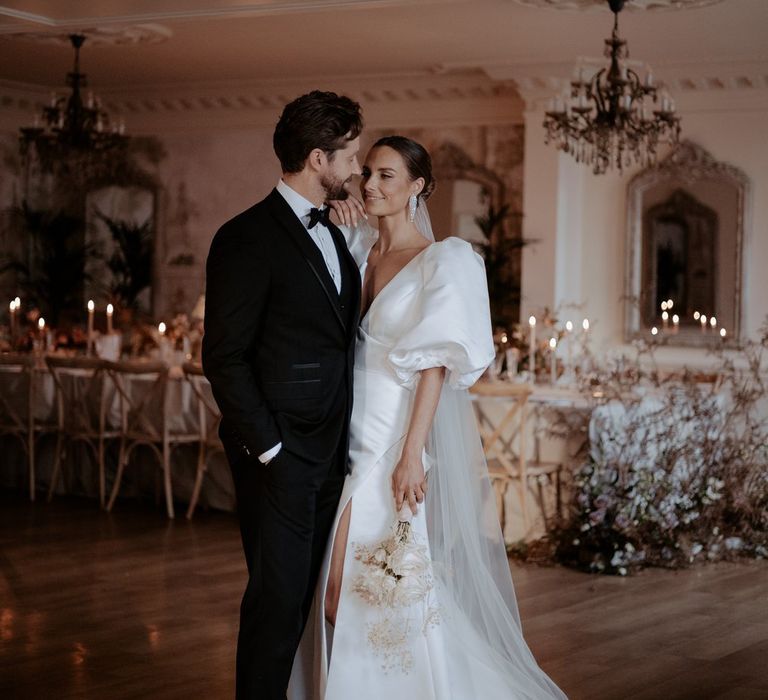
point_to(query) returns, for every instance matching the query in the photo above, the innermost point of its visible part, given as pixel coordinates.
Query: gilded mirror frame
(686, 164)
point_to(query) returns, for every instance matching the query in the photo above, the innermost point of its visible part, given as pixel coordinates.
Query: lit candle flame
(91, 305)
(585, 324)
(532, 321)
(161, 328)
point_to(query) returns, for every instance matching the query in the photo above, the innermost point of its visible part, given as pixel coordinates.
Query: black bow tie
(322, 216)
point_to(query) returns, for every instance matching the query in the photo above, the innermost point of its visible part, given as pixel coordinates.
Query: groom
(282, 305)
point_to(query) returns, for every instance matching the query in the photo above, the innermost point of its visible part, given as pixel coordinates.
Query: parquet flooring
(129, 605)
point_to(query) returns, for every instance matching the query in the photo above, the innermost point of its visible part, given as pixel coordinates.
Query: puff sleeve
(452, 327)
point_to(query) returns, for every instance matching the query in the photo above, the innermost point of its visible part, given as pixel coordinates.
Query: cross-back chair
(145, 420)
(208, 417)
(82, 400)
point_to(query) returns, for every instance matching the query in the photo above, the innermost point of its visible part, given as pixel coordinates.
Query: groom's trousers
(286, 510)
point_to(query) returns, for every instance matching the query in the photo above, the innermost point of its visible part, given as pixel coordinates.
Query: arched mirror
(686, 219)
(464, 193)
(120, 224)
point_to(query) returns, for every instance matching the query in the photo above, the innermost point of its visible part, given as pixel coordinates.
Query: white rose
(410, 590)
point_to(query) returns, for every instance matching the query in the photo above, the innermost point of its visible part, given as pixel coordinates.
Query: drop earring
(413, 202)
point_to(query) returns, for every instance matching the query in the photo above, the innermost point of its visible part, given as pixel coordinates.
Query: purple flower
(596, 517)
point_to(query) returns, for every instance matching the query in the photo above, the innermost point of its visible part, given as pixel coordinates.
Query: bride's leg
(336, 569)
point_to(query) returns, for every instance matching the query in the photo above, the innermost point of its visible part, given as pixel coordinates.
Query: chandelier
(71, 128)
(604, 120)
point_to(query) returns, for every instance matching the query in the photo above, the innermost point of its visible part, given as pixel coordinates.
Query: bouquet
(395, 577)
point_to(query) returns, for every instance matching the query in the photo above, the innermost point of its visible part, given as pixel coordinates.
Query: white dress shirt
(324, 241)
(318, 233)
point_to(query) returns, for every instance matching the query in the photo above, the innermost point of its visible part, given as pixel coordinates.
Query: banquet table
(218, 491)
(80, 476)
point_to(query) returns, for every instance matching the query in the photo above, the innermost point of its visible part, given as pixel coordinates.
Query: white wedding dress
(463, 641)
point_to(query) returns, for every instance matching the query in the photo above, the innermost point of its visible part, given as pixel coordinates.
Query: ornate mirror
(686, 222)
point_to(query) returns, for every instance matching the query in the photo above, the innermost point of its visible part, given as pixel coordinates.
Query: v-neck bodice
(403, 282)
(432, 313)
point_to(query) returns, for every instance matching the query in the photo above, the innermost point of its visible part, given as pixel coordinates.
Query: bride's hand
(408, 482)
(349, 210)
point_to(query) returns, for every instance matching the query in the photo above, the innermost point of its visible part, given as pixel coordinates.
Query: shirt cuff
(270, 454)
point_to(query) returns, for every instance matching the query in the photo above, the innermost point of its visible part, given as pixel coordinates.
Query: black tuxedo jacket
(279, 339)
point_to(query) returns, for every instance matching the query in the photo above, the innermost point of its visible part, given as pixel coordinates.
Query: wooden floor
(130, 605)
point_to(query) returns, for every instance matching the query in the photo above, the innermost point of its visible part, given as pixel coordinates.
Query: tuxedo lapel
(309, 251)
(351, 273)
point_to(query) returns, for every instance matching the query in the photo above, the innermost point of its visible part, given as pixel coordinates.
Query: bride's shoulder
(450, 252)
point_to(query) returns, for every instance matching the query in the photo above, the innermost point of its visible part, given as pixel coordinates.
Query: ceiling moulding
(394, 99)
(68, 17)
(533, 79)
(602, 5)
(112, 35)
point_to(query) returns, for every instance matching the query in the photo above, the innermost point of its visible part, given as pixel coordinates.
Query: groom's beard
(335, 188)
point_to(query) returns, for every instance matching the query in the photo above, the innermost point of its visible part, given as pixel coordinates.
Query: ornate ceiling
(173, 45)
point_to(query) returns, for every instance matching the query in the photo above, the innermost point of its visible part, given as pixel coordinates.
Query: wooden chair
(209, 417)
(145, 419)
(82, 402)
(506, 449)
(506, 463)
(17, 403)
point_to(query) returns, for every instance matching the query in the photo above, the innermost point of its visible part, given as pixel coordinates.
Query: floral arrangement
(650, 495)
(396, 577)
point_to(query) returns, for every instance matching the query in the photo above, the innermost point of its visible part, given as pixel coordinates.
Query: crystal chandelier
(71, 128)
(604, 121)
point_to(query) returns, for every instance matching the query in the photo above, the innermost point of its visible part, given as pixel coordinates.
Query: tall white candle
(91, 308)
(703, 321)
(665, 319)
(110, 312)
(41, 331)
(553, 360)
(569, 329)
(675, 324)
(12, 320)
(532, 349)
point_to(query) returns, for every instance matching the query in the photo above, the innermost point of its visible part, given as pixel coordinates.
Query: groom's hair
(316, 120)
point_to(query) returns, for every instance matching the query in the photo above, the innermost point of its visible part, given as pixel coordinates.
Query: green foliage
(131, 261)
(499, 253)
(52, 275)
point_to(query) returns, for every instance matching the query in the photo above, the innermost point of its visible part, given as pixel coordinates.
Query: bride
(415, 597)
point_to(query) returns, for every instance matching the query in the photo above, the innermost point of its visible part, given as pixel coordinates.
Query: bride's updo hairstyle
(416, 160)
